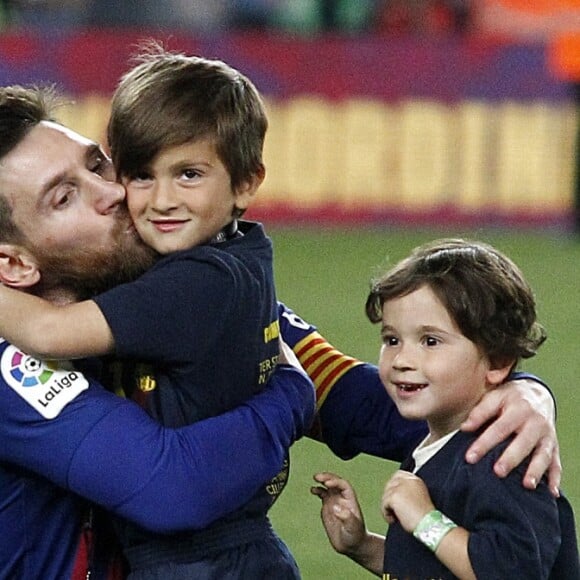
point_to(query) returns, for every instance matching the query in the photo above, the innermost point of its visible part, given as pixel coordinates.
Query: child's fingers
(343, 513)
(325, 476)
(332, 481)
(321, 492)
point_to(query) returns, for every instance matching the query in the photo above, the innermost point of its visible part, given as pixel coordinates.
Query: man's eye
(190, 173)
(62, 200)
(141, 176)
(101, 165)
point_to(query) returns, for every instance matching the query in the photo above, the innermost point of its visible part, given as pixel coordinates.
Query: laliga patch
(48, 386)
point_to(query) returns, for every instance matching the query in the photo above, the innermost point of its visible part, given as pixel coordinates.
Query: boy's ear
(499, 372)
(246, 191)
(18, 268)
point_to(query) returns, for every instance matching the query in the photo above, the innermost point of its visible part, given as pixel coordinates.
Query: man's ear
(18, 268)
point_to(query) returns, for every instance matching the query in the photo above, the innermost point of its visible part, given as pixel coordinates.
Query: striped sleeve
(323, 363)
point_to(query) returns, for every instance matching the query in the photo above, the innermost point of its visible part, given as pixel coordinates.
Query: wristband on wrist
(433, 528)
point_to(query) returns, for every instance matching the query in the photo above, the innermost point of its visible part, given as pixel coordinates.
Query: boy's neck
(226, 233)
(441, 428)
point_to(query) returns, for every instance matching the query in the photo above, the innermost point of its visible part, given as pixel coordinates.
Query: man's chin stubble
(84, 273)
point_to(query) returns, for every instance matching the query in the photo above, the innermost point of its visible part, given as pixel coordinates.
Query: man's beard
(83, 273)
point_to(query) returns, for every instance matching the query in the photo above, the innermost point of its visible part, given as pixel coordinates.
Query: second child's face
(184, 197)
(429, 368)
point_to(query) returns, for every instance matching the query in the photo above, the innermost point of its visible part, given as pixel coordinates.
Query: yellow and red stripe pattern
(324, 364)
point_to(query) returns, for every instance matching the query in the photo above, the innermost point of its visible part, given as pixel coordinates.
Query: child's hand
(340, 513)
(406, 499)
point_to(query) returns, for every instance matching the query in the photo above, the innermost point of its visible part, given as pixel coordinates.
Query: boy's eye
(140, 176)
(431, 341)
(390, 340)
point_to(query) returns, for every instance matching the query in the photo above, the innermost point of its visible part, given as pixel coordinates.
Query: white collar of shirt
(423, 452)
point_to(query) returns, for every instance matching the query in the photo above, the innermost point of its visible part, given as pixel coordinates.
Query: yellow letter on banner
(88, 116)
(529, 158)
(425, 152)
(472, 176)
(367, 164)
(310, 154)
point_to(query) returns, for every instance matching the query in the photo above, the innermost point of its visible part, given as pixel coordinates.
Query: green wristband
(433, 528)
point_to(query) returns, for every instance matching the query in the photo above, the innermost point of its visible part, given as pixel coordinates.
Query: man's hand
(525, 409)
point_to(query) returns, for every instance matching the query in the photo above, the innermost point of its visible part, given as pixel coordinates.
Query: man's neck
(60, 296)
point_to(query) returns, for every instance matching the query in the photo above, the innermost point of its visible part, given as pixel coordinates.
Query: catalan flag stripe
(324, 364)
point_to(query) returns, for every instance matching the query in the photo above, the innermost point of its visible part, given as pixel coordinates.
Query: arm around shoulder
(110, 451)
(51, 331)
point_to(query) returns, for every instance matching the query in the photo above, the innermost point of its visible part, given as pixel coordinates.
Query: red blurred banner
(365, 129)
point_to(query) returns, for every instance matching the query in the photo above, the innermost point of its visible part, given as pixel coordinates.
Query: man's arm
(108, 450)
(358, 416)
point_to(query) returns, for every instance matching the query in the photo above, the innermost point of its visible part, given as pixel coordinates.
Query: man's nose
(107, 195)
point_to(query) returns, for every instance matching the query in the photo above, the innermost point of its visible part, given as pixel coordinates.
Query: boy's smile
(430, 369)
(184, 197)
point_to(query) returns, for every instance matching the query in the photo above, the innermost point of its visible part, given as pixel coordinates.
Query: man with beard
(52, 207)
(65, 235)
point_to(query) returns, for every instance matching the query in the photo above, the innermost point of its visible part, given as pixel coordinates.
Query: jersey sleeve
(358, 416)
(108, 450)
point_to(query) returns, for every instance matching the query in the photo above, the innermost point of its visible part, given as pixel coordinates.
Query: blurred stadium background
(392, 122)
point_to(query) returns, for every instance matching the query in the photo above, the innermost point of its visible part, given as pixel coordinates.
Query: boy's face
(429, 368)
(184, 197)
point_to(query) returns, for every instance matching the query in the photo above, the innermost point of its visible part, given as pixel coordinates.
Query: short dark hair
(169, 99)
(21, 109)
(483, 290)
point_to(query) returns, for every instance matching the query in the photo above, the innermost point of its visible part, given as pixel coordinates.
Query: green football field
(324, 276)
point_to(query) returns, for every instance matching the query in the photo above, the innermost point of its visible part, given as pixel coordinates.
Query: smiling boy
(456, 317)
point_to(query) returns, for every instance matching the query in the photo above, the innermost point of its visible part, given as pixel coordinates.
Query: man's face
(65, 201)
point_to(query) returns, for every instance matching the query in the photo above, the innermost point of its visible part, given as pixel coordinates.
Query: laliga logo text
(45, 385)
